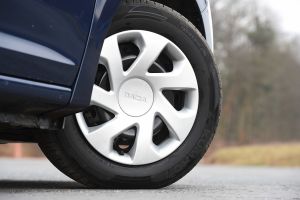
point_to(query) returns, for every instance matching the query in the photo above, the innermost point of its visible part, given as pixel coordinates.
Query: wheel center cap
(135, 97)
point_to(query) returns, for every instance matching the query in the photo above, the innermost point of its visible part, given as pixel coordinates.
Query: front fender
(82, 88)
(204, 6)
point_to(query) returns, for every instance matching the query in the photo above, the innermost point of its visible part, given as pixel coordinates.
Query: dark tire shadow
(21, 185)
(27, 185)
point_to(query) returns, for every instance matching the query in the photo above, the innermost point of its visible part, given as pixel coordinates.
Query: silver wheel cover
(136, 98)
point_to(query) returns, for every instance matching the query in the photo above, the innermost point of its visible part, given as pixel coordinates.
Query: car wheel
(154, 107)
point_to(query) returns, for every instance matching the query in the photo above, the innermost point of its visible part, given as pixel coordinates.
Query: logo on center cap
(135, 97)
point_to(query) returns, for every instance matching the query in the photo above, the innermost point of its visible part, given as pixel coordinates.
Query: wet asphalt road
(38, 179)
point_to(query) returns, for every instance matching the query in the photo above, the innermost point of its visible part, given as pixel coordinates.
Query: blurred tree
(260, 75)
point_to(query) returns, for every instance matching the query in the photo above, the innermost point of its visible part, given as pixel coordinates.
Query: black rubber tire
(70, 152)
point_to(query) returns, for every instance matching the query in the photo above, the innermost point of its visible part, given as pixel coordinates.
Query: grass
(283, 155)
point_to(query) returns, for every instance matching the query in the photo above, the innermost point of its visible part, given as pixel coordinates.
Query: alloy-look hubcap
(136, 99)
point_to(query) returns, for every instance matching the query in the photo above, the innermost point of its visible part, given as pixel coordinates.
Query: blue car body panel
(60, 27)
(19, 95)
(49, 52)
(104, 12)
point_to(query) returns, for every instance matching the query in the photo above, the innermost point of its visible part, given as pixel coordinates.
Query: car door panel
(49, 52)
(44, 40)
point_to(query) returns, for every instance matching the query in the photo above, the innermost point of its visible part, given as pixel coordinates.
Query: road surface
(39, 180)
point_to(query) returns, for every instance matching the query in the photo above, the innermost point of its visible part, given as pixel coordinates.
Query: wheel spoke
(144, 148)
(151, 48)
(181, 78)
(106, 100)
(101, 137)
(111, 55)
(180, 122)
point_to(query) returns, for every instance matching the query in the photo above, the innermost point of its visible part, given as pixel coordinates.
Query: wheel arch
(190, 10)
